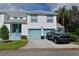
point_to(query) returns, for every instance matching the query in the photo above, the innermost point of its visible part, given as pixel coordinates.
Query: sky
(35, 6)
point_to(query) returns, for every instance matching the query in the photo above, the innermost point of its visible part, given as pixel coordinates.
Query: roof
(60, 26)
(24, 13)
(16, 13)
(41, 12)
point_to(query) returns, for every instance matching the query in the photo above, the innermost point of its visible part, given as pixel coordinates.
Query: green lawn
(13, 45)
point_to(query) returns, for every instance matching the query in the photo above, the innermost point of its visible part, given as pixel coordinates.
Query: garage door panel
(34, 33)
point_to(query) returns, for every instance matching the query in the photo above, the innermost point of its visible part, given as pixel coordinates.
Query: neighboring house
(32, 24)
(60, 28)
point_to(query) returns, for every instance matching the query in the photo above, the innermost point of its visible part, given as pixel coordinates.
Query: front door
(15, 32)
(16, 28)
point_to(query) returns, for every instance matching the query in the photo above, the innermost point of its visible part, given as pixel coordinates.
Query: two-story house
(32, 24)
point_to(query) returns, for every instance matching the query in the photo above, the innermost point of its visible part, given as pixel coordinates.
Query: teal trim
(16, 28)
(15, 32)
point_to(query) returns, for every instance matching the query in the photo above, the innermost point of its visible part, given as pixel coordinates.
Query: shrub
(4, 33)
(23, 37)
(74, 37)
(77, 31)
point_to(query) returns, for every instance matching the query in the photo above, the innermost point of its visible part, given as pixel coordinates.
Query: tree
(66, 17)
(4, 33)
(74, 10)
(73, 18)
(63, 16)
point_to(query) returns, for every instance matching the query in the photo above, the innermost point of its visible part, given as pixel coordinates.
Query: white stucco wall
(24, 30)
(42, 21)
(55, 22)
(1, 19)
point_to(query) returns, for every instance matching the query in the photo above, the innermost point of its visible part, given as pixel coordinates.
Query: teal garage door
(34, 33)
(45, 31)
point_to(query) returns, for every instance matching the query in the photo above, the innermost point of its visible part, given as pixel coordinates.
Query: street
(40, 53)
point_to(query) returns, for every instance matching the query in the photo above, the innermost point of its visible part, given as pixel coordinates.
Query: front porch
(16, 31)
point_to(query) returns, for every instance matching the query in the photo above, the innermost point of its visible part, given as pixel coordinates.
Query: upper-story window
(21, 17)
(34, 18)
(15, 17)
(49, 19)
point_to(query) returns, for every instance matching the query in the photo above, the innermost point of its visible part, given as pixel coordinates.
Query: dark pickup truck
(58, 37)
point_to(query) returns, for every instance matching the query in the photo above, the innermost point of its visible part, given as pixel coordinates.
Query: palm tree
(62, 16)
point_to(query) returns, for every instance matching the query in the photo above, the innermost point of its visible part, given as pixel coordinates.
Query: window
(49, 19)
(15, 17)
(34, 19)
(21, 17)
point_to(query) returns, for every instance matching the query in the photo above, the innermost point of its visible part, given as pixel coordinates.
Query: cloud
(58, 5)
(7, 6)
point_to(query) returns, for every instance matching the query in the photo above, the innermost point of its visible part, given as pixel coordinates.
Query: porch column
(8, 26)
(24, 30)
(55, 21)
(1, 20)
(42, 31)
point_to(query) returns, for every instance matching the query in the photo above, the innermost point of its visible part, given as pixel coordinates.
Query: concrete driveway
(39, 43)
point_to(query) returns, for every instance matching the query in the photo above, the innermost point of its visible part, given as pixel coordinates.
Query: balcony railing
(10, 21)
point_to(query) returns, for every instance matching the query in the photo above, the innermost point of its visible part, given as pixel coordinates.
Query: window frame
(34, 17)
(20, 17)
(49, 19)
(15, 17)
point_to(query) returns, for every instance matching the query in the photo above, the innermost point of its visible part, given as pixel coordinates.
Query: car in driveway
(58, 37)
